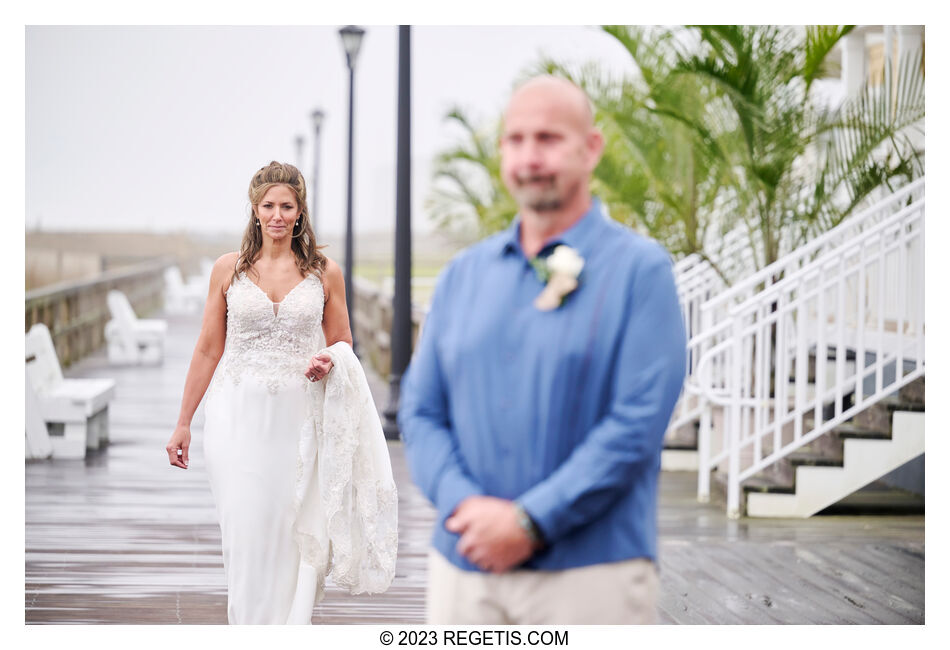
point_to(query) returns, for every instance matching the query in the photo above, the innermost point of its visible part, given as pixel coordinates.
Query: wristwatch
(527, 523)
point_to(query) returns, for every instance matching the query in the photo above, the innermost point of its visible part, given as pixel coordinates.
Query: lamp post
(352, 37)
(401, 339)
(299, 142)
(317, 119)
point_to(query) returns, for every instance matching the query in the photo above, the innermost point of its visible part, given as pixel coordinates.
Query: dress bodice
(271, 341)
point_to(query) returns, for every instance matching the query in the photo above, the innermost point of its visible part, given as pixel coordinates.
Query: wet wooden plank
(810, 596)
(895, 587)
(699, 598)
(124, 538)
(806, 568)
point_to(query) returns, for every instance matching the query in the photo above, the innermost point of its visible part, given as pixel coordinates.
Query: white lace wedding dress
(299, 470)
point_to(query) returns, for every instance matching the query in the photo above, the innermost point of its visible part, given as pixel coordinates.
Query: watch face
(527, 523)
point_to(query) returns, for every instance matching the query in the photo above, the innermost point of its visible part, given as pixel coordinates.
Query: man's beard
(538, 198)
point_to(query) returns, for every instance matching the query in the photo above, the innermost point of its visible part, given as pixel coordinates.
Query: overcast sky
(161, 128)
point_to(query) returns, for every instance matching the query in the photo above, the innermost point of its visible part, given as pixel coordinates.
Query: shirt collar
(577, 236)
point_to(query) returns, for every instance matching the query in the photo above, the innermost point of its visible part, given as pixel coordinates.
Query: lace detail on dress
(347, 522)
(275, 348)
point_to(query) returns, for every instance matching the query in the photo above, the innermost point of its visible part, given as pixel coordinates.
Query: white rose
(565, 261)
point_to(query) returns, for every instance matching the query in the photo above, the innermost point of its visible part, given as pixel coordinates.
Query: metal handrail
(769, 333)
(825, 258)
(800, 253)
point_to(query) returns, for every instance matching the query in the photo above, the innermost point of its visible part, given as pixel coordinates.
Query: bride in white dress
(295, 453)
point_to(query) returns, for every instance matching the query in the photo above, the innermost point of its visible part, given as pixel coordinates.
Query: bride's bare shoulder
(332, 275)
(223, 270)
(332, 279)
(333, 268)
(227, 259)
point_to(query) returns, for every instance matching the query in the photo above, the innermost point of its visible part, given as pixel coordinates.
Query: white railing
(846, 230)
(697, 281)
(706, 313)
(863, 295)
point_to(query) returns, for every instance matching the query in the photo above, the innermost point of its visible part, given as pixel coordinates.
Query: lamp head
(317, 118)
(351, 36)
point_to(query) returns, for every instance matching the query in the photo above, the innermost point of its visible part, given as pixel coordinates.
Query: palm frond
(820, 40)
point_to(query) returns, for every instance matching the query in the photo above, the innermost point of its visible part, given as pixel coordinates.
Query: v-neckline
(264, 293)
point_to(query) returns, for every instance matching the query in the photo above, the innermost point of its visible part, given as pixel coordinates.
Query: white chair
(182, 297)
(130, 339)
(74, 411)
(38, 444)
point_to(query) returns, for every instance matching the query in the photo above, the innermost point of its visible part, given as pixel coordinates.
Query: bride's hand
(177, 447)
(319, 368)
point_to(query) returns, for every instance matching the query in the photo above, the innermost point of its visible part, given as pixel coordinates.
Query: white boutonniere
(560, 271)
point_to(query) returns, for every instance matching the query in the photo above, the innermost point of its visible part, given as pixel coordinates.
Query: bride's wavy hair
(303, 240)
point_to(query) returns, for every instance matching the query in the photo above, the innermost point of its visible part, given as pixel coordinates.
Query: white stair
(679, 460)
(865, 460)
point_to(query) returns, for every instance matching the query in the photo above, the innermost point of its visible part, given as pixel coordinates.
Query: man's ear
(595, 146)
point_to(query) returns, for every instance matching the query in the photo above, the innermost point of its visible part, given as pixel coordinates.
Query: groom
(536, 403)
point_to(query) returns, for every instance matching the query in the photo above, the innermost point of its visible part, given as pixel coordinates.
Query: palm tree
(468, 192)
(722, 125)
(657, 173)
(654, 174)
(870, 146)
(798, 167)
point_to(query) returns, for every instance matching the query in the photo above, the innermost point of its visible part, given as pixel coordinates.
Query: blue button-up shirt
(564, 410)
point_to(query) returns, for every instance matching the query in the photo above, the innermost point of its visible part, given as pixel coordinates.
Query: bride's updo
(303, 242)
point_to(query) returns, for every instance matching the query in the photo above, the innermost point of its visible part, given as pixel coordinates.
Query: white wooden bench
(182, 297)
(130, 339)
(75, 411)
(38, 444)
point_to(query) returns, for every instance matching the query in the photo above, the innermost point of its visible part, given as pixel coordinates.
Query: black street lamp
(317, 119)
(352, 37)
(401, 339)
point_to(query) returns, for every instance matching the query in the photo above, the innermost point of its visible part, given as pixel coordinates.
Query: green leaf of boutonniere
(540, 266)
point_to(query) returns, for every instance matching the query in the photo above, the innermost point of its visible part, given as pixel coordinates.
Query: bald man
(535, 405)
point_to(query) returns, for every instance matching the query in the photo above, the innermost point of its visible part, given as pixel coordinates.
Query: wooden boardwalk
(123, 537)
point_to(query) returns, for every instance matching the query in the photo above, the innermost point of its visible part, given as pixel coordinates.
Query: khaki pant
(601, 594)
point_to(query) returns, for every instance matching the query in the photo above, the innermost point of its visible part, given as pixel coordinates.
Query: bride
(295, 453)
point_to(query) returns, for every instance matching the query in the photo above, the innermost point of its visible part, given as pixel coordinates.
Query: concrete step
(765, 484)
(828, 451)
(681, 450)
(897, 403)
(679, 460)
(812, 459)
(820, 483)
